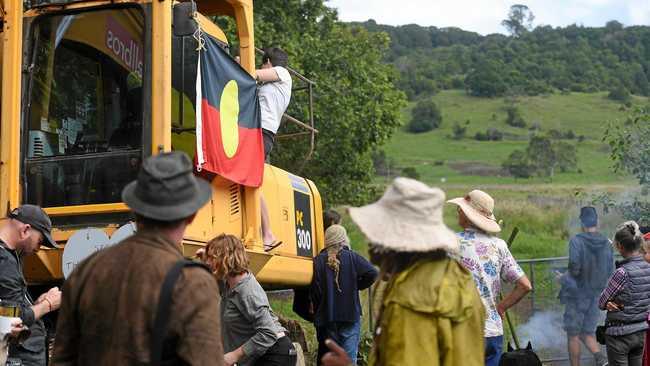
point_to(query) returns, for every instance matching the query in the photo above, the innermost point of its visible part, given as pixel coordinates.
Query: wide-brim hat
(478, 207)
(166, 188)
(407, 218)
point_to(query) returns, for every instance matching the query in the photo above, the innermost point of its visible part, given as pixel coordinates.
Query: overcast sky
(484, 16)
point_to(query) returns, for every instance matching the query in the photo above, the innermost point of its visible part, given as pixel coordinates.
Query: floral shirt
(490, 261)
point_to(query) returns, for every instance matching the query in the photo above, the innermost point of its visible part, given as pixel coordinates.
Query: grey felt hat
(166, 188)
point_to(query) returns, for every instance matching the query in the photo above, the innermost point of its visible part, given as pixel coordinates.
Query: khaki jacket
(432, 314)
(110, 301)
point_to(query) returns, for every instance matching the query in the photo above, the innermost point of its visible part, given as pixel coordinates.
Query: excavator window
(83, 129)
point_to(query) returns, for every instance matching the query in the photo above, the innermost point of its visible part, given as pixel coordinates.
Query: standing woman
(339, 275)
(252, 334)
(627, 299)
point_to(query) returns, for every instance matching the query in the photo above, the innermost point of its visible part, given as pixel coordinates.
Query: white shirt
(274, 99)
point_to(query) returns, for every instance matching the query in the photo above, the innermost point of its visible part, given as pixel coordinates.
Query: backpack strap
(164, 308)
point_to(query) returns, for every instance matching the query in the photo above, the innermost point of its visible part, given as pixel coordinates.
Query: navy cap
(36, 218)
(589, 216)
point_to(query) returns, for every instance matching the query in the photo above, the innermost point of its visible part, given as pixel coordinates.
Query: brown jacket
(110, 300)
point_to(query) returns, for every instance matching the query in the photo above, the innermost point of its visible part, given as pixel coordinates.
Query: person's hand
(40, 298)
(501, 310)
(230, 358)
(17, 328)
(612, 306)
(337, 355)
(53, 298)
(200, 254)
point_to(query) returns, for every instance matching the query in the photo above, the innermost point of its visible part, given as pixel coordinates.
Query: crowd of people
(142, 302)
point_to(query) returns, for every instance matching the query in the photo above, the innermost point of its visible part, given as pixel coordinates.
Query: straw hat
(407, 218)
(478, 206)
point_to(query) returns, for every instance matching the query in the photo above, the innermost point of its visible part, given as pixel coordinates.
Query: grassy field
(437, 157)
(544, 209)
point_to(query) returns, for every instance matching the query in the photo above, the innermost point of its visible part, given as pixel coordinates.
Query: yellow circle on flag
(229, 110)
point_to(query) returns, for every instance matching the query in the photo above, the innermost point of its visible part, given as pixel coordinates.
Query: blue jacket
(355, 274)
(591, 263)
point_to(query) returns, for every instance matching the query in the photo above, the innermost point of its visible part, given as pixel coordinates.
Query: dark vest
(635, 296)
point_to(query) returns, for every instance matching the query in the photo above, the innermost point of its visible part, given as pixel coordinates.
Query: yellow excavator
(89, 89)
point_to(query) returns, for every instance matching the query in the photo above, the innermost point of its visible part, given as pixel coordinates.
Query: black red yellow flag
(228, 124)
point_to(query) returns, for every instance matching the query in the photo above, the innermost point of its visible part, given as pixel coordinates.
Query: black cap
(36, 218)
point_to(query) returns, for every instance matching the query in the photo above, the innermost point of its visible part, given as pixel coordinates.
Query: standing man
(591, 262)
(27, 228)
(274, 96)
(112, 297)
(489, 260)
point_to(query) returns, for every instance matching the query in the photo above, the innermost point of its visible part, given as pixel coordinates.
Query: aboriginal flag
(228, 124)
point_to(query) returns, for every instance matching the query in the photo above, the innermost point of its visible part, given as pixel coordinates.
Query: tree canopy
(531, 61)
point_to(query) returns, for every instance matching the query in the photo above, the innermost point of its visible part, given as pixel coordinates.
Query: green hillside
(440, 159)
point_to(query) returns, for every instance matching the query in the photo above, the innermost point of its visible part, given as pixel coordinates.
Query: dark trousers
(283, 353)
(626, 350)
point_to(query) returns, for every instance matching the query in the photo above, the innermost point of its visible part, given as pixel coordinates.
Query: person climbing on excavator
(274, 97)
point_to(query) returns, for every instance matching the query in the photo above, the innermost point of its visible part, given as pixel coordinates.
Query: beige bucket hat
(407, 218)
(478, 206)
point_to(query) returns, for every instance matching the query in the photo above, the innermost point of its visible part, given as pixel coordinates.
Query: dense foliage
(356, 105)
(573, 58)
(543, 157)
(425, 117)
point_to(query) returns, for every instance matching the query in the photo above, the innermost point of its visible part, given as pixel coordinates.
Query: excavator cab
(91, 88)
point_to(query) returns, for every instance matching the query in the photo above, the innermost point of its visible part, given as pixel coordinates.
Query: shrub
(514, 117)
(491, 134)
(426, 116)
(555, 134)
(569, 135)
(459, 131)
(481, 136)
(410, 172)
(619, 93)
(518, 165)
(494, 135)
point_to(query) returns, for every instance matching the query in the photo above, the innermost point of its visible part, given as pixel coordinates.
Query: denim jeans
(345, 334)
(626, 350)
(493, 350)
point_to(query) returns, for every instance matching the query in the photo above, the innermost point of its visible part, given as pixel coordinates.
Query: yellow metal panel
(44, 266)
(245, 33)
(11, 91)
(211, 28)
(87, 209)
(284, 271)
(161, 73)
(252, 217)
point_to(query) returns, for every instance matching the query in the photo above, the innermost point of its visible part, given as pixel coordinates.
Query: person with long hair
(252, 334)
(627, 299)
(339, 275)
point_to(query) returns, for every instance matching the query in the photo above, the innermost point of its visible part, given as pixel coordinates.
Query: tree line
(530, 61)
